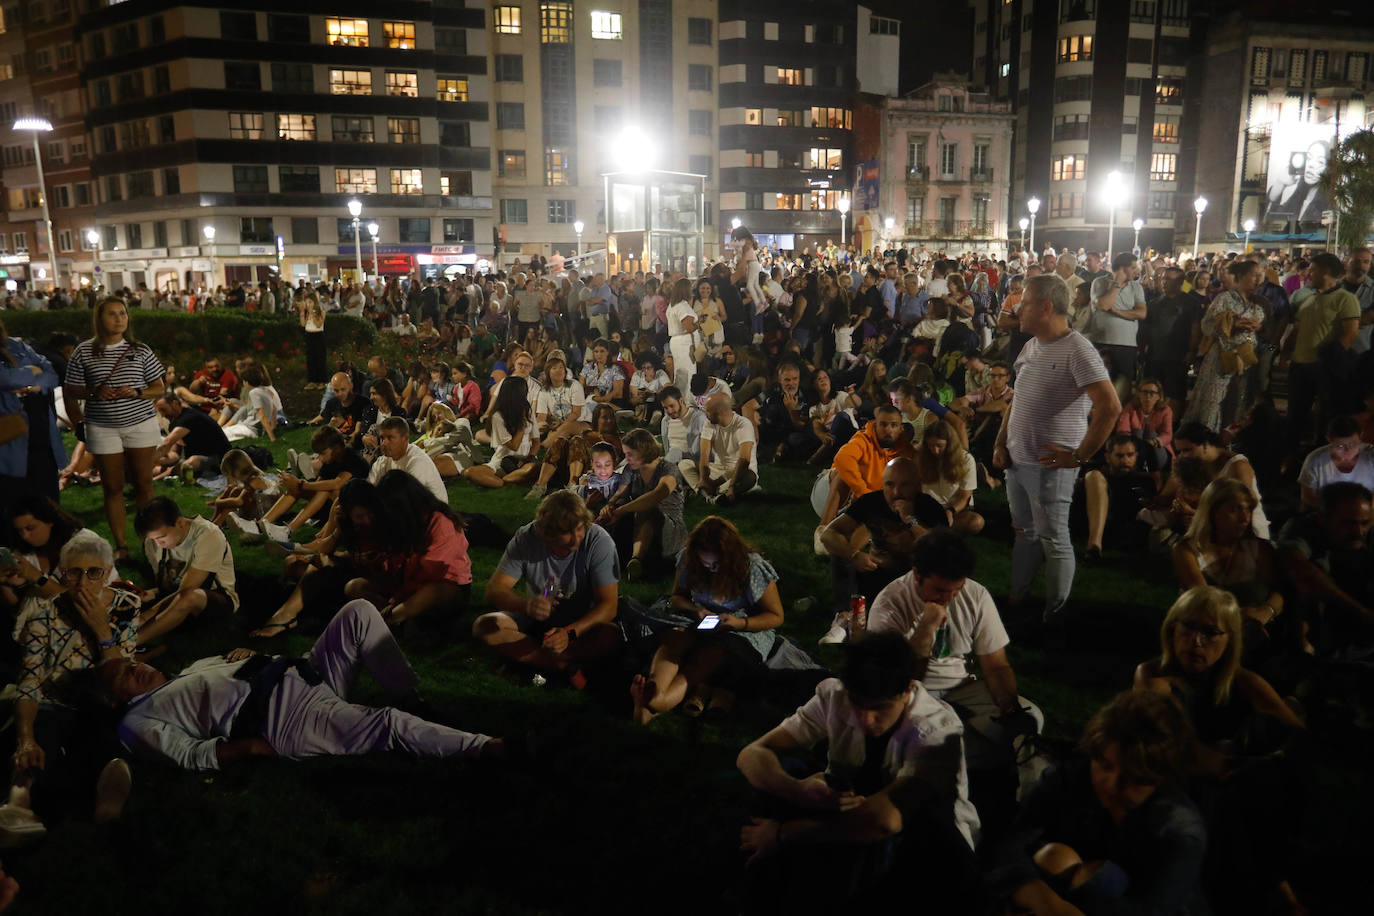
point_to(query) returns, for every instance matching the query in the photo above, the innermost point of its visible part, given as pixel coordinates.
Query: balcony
(958, 176)
(917, 177)
(949, 229)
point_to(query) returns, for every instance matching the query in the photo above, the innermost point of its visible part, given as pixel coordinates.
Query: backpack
(261, 457)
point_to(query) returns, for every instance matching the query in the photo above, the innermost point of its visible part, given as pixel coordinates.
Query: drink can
(858, 614)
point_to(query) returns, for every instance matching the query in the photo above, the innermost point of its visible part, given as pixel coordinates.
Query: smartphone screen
(709, 622)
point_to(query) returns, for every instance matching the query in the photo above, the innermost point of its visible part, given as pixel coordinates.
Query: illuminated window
(452, 89)
(406, 181)
(403, 130)
(605, 25)
(399, 34)
(245, 125)
(753, 116)
(506, 20)
(511, 164)
(355, 181)
(557, 167)
(824, 159)
(555, 22)
(789, 76)
(1075, 47)
(455, 184)
(350, 82)
(351, 32)
(839, 118)
(753, 158)
(1169, 92)
(403, 83)
(789, 201)
(1166, 129)
(825, 200)
(1068, 168)
(1163, 166)
(790, 117)
(295, 127)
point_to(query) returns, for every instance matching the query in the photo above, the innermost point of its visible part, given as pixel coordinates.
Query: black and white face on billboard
(1298, 155)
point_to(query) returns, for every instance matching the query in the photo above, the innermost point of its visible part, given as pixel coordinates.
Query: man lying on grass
(243, 704)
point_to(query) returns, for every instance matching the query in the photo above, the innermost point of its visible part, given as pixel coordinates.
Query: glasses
(1204, 634)
(73, 574)
(1149, 391)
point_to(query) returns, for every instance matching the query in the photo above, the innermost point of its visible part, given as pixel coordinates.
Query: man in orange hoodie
(859, 463)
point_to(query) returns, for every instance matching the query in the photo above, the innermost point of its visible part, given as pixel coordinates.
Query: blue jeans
(1039, 499)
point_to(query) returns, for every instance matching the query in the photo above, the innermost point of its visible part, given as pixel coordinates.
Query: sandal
(121, 553)
(280, 628)
(694, 706)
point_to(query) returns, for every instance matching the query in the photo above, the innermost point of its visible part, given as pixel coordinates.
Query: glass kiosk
(655, 218)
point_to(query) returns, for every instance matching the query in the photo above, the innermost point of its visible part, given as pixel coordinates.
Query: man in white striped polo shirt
(1046, 436)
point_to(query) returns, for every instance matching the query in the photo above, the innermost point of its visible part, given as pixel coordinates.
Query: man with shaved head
(870, 542)
(727, 466)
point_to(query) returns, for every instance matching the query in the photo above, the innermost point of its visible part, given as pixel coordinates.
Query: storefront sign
(257, 250)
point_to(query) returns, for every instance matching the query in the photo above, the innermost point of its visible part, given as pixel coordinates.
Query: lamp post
(1115, 191)
(355, 209)
(374, 230)
(1024, 223)
(578, 226)
(888, 223)
(214, 267)
(93, 239)
(1137, 224)
(1249, 226)
(1198, 206)
(38, 126)
(843, 207)
(1033, 205)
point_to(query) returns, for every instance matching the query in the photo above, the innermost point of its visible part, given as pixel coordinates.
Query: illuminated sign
(1298, 153)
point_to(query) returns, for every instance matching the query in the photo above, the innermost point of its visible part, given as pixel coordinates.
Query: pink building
(943, 158)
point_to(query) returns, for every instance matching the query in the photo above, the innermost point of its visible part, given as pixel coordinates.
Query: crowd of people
(1128, 408)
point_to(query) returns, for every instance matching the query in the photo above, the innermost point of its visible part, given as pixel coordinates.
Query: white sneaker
(536, 493)
(838, 632)
(307, 469)
(463, 432)
(112, 791)
(19, 827)
(249, 532)
(816, 544)
(276, 532)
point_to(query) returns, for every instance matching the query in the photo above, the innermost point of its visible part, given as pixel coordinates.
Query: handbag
(13, 426)
(1238, 359)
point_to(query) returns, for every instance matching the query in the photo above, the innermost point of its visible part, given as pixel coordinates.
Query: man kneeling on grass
(891, 810)
(243, 704)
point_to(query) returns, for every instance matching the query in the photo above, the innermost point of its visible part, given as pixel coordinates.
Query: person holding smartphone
(731, 592)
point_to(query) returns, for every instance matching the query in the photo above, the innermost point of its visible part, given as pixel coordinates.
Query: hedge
(185, 338)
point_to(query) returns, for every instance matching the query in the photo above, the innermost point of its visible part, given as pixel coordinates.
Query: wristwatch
(572, 634)
(42, 580)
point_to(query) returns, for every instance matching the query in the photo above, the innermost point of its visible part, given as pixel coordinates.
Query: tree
(1349, 185)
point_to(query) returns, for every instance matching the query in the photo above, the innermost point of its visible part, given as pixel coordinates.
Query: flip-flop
(279, 627)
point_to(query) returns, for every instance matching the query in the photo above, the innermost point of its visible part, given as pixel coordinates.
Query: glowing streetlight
(843, 207)
(209, 232)
(1137, 224)
(888, 223)
(736, 223)
(38, 126)
(634, 150)
(1198, 206)
(1033, 205)
(1115, 194)
(374, 230)
(578, 226)
(355, 209)
(93, 239)
(1249, 226)
(1024, 223)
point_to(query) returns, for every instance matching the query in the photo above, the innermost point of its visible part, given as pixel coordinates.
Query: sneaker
(112, 791)
(634, 570)
(249, 532)
(276, 532)
(536, 493)
(838, 632)
(307, 469)
(463, 432)
(19, 827)
(293, 459)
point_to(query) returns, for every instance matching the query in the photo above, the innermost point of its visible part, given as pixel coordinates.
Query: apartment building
(579, 90)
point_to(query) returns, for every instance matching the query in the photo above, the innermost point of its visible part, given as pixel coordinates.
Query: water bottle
(941, 647)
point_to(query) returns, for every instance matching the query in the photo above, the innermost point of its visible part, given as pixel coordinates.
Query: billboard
(1298, 153)
(867, 198)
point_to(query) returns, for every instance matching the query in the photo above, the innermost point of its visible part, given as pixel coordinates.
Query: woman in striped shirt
(118, 379)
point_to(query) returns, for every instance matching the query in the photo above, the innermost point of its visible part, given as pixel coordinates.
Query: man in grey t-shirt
(1118, 303)
(1045, 437)
(567, 615)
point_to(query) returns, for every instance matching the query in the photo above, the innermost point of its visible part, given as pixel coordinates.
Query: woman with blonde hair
(1247, 777)
(949, 475)
(1221, 550)
(316, 358)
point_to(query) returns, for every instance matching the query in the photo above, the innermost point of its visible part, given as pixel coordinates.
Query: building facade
(1097, 87)
(787, 81)
(579, 90)
(942, 157)
(1277, 95)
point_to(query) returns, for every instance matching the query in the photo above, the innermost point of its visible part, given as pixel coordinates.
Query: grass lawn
(609, 814)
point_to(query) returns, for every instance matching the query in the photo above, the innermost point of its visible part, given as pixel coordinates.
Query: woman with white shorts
(112, 380)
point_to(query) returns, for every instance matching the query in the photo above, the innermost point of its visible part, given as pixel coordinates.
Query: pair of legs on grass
(681, 671)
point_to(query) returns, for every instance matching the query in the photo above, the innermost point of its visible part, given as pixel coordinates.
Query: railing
(921, 175)
(949, 229)
(917, 173)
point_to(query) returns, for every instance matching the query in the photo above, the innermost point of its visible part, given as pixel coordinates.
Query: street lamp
(1198, 206)
(1115, 193)
(38, 126)
(1033, 205)
(93, 239)
(843, 207)
(1249, 226)
(374, 230)
(888, 223)
(736, 223)
(355, 208)
(578, 226)
(1137, 224)
(1024, 223)
(214, 267)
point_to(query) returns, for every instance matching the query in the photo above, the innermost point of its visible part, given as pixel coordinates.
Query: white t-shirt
(938, 287)
(975, 628)
(726, 440)
(844, 338)
(560, 403)
(943, 491)
(1051, 407)
(1319, 470)
(415, 463)
(500, 440)
(676, 312)
(204, 548)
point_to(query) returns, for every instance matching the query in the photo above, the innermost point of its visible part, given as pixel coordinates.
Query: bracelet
(109, 643)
